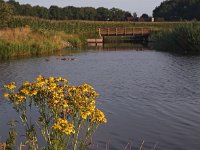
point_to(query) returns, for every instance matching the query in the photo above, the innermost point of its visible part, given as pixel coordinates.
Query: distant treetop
(69, 12)
(178, 10)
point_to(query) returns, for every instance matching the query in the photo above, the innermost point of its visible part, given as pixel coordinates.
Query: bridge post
(116, 31)
(108, 31)
(133, 31)
(99, 30)
(142, 32)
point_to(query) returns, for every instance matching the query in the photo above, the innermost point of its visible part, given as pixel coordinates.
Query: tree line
(178, 10)
(68, 12)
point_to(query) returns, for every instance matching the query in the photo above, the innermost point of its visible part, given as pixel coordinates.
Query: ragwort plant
(67, 118)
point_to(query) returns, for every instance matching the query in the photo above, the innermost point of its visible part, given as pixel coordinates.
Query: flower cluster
(63, 108)
(10, 86)
(82, 98)
(63, 126)
(98, 117)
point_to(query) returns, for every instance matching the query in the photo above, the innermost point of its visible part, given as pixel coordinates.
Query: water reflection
(118, 46)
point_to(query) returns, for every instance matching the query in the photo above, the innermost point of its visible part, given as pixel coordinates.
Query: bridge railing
(123, 31)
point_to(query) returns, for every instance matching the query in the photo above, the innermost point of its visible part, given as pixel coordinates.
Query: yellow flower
(26, 83)
(85, 114)
(34, 92)
(63, 126)
(98, 117)
(6, 95)
(39, 78)
(17, 98)
(10, 86)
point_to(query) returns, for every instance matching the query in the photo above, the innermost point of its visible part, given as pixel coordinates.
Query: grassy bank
(24, 41)
(27, 36)
(184, 39)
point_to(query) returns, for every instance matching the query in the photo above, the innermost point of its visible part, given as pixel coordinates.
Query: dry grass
(25, 41)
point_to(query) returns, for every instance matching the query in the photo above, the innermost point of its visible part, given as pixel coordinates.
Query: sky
(138, 6)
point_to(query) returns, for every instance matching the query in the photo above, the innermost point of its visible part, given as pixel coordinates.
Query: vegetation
(69, 12)
(177, 10)
(30, 42)
(183, 39)
(67, 115)
(27, 36)
(5, 13)
(87, 28)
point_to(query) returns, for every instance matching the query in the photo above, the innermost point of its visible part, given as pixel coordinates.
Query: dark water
(146, 95)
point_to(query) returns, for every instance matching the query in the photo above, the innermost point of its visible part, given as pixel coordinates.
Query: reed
(183, 39)
(84, 27)
(25, 41)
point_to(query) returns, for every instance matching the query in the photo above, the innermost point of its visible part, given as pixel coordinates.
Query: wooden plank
(94, 40)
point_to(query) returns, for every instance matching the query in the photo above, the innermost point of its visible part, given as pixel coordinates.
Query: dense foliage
(5, 13)
(184, 39)
(69, 12)
(176, 10)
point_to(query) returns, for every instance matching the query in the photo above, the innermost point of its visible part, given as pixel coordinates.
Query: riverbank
(183, 39)
(29, 36)
(25, 41)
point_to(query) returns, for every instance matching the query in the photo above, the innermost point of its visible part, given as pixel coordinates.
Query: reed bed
(184, 39)
(24, 41)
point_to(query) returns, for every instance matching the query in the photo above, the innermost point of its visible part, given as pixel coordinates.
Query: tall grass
(84, 27)
(25, 41)
(27, 36)
(183, 39)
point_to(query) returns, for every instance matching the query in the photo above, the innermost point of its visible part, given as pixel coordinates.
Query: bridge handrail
(124, 31)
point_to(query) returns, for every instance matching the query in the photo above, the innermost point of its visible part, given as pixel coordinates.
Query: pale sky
(138, 6)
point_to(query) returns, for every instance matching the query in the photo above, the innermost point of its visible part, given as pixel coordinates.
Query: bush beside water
(184, 39)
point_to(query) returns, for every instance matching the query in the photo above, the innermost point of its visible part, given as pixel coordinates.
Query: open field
(89, 28)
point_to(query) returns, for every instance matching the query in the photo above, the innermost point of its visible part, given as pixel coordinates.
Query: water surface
(146, 95)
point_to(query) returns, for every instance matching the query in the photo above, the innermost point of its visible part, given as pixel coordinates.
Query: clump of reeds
(25, 41)
(183, 39)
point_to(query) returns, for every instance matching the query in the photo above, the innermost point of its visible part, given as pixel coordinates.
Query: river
(146, 95)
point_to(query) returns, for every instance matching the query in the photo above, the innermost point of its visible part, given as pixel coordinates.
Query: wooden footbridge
(124, 32)
(137, 33)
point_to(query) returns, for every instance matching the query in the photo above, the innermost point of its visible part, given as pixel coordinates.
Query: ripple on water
(146, 95)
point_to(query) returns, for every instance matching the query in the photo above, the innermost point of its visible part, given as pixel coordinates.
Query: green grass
(88, 28)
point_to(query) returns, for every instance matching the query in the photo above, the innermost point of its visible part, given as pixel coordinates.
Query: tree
(55, 13)
(103, 14)
(145, 17)
(134, 15)
(6, 13)
(41, 12)
(175, 10)
(15, 6)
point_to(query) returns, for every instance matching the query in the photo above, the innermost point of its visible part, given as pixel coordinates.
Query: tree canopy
(69, 12)
(177, 10)
(5, 13)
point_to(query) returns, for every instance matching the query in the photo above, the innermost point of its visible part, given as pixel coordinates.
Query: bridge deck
(124, 31)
